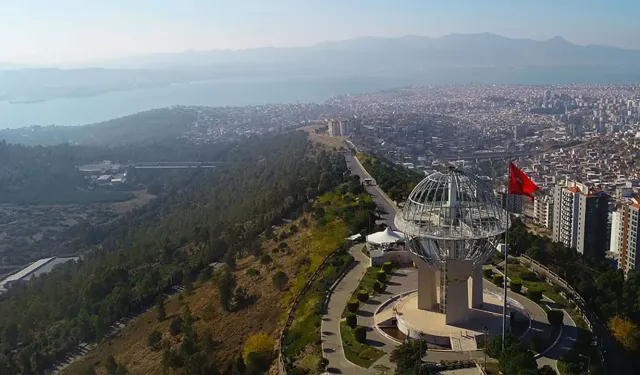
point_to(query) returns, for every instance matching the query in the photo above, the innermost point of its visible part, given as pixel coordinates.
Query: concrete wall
(378, 257)
(475, 297)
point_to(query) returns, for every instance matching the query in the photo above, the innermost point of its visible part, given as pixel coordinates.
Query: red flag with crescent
(520, 183)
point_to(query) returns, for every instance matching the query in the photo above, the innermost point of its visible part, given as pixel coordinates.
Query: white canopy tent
(387, 236)
(385, 245)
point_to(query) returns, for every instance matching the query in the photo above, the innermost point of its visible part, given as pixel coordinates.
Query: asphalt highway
(385, 207)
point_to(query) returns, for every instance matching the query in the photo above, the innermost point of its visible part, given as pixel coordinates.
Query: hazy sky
(56, 31)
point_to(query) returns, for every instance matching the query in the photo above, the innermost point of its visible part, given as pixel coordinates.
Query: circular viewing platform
(430, 325)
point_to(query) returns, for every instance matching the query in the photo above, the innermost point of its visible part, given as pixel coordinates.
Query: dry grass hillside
(297, 248)
(323, 139)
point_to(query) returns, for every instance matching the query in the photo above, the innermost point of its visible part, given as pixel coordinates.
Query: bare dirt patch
(141, 197)
(323, 138)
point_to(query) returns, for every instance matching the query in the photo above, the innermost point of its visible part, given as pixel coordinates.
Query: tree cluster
(394, 180)
(167, 242)
(515, 358)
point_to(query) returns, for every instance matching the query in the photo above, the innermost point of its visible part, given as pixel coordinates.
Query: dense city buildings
(582, 133)
(580, 218)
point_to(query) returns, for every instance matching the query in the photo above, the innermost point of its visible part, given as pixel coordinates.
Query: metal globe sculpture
(452, 222)
(452, 215)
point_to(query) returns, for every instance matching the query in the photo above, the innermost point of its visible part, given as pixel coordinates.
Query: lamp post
(588, 357)
(485, 330)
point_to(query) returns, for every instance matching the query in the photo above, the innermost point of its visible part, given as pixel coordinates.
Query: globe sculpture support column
(427, 285)
(452, 222)
(476, 287)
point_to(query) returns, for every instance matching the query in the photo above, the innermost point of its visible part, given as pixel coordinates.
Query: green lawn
(360, 354)
(517, 271)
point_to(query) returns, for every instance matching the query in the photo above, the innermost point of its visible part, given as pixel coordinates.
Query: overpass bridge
(176, 164)
(484, 155)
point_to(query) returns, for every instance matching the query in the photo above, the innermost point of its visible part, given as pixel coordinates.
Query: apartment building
(339, 127)
(543, 211)
(580, 218)
(624, 234)
(510, 202)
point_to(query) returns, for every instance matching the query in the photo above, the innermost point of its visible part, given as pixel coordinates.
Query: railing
(589, 316)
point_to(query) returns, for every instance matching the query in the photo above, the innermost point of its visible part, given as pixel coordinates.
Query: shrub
(488, 273)
(515, 285)
(386, 267)
(557, 289)
(538, 344)
(529, 276)
(360, 334)
(154, 340)
(381, 276)
(175, 327)
(534, 294)
(265, 259)
(363, 296)
(352, 320)
(555, 317)
(252, 272)
(337, 262)
(378, 287)
(280, 280)
(260, 344)
(498, 279)
(353, 305)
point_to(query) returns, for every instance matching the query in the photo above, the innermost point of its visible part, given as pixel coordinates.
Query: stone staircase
(463, 342)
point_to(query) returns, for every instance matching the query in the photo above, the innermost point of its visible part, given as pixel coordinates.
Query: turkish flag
(520, 183)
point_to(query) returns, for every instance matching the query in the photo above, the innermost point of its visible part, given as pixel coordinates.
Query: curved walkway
(332, 348)
(569, 337)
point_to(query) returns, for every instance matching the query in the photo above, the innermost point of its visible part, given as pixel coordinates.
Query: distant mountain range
(451, 59)
(398, 54)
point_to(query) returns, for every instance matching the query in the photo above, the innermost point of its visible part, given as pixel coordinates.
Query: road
(385, 207)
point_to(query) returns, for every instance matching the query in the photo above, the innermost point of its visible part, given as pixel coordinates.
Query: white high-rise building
(624, 235)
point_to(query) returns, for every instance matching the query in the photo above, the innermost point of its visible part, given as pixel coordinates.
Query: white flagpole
(506, 256)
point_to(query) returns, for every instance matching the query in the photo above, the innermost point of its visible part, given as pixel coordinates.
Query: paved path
(330, 327)
(569, 337)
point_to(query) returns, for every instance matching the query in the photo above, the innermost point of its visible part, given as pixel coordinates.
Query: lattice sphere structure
(452, 215)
